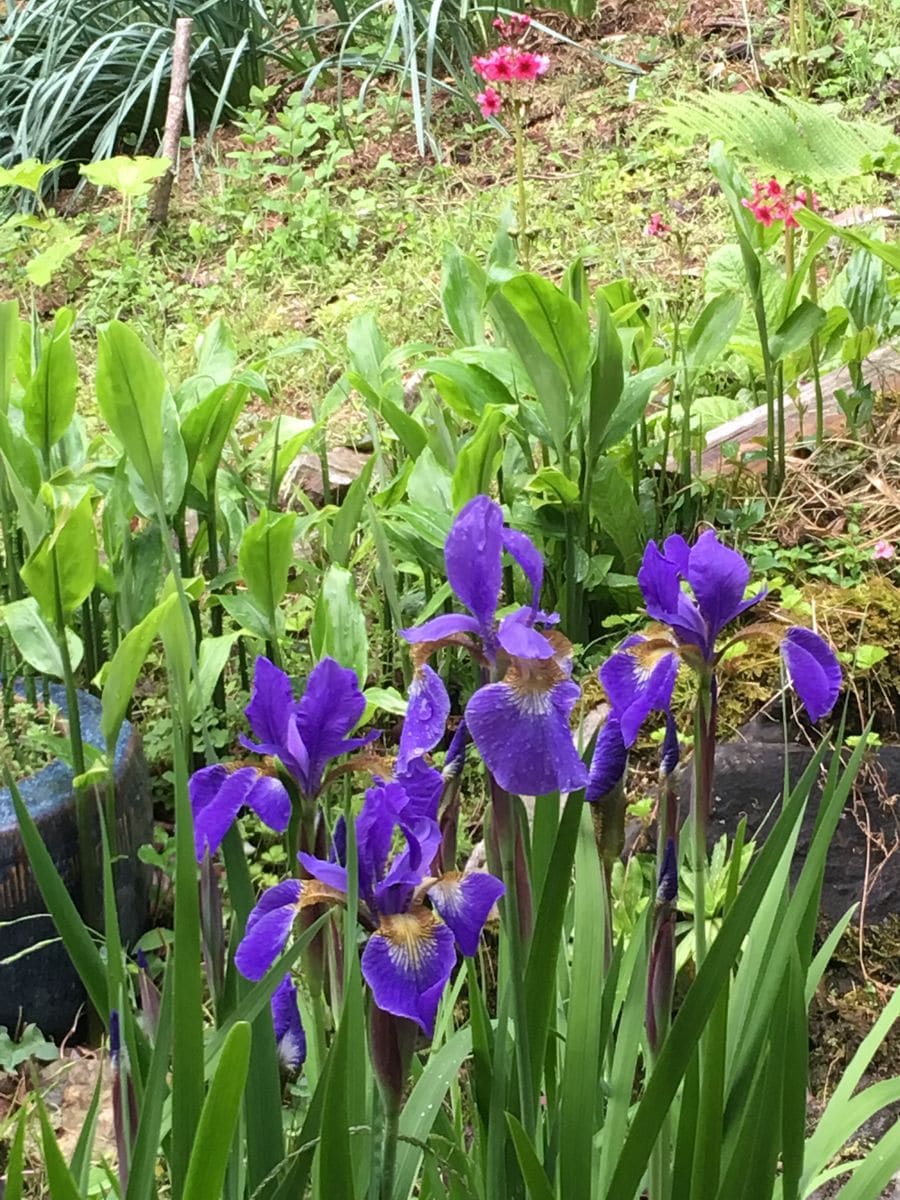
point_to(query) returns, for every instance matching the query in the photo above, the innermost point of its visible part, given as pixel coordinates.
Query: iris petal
(521, 640)
(407, 963)
(426, 716)
(331, 706)
(269, 800)
(473, 557)
(608, 763)
(271, 704)
(524, 737)
(520, 547)
(217, 796)
(635, 691)
(718, 577)
(290, 1038)
(814, 671)
(442, 627)
(464, 903)
(332, 874)
(268, 929)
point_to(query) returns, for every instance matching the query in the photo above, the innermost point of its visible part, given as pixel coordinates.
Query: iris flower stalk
(518, 718)
(692, 594)
(415, 923)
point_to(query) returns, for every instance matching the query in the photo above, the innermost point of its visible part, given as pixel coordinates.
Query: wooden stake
(181, 69)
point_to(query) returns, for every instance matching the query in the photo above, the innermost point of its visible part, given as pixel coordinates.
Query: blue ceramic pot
(43, 986)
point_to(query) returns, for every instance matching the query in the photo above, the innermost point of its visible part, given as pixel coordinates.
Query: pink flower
(522, 20)
(656, 226)
(883, 549)
(489, 102)
(526, 67)
(764, 213)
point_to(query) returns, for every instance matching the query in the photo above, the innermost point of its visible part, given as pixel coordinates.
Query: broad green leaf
(36, 641)
(40, 269)
(407, 428)
(348, 516)
(555, 482)
(125, 666)
(466, 387)
(49, 401)
(477, 461)
(27, 174)
(63, 568)
(607, 378)
(614, 506)
(550, 334)
(244, 609)
(463, 286)
(218, 1120)
(264, 560)
(430, 486)
(131, 177)
(712, 330)
(135, 402)
(636, 394)
(9, 347)
(212, 660)
(796, 331)
(888, 252)
(338, 627)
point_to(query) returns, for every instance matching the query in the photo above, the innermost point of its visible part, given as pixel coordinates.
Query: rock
(305, 475)
(749, 782)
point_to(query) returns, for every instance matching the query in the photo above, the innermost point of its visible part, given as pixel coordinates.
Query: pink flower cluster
(770, 202)
(883, 549)
(656, 226)
(508, 64)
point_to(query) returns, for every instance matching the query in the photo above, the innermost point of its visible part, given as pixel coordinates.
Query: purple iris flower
(306, 734)
(640, 677)
(290, 1038)
(411, 949)
(218, 795)
(520, 720)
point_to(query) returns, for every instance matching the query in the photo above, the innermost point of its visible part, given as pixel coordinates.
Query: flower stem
(522, 197)
(704, 768)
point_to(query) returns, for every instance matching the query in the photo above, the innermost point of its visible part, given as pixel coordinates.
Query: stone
(305, 475)
(866, 844)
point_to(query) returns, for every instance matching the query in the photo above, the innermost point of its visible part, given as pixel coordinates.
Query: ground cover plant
(440, 908)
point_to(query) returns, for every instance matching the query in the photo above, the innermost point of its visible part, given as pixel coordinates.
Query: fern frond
(787, 136)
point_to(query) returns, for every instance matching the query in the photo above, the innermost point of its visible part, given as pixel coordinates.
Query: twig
(181, 68)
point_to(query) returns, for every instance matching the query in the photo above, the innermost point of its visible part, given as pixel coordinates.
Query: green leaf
(59, 1179)
(244, 609)
(62, 570)
(9, 347)
(633, 403)
(264, 560)
(338, 627)
(41, 269)
(71, 928)
(463, 286)
(550, 334)
(122, 672)
(407, 428)
(49, 401)
(218, 1120)
(712, 330)
(530, 1165)
(423, 1105)
(614, 506)
(212, 659)
(477, 461)
(888, 252)
(142, 1175)
(607, 378)
(27, 174)
(348, 516)
(135, 402)
(36, 641)
(131, 177)
(796, 332)
(15, 1167)
(582, 1068)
